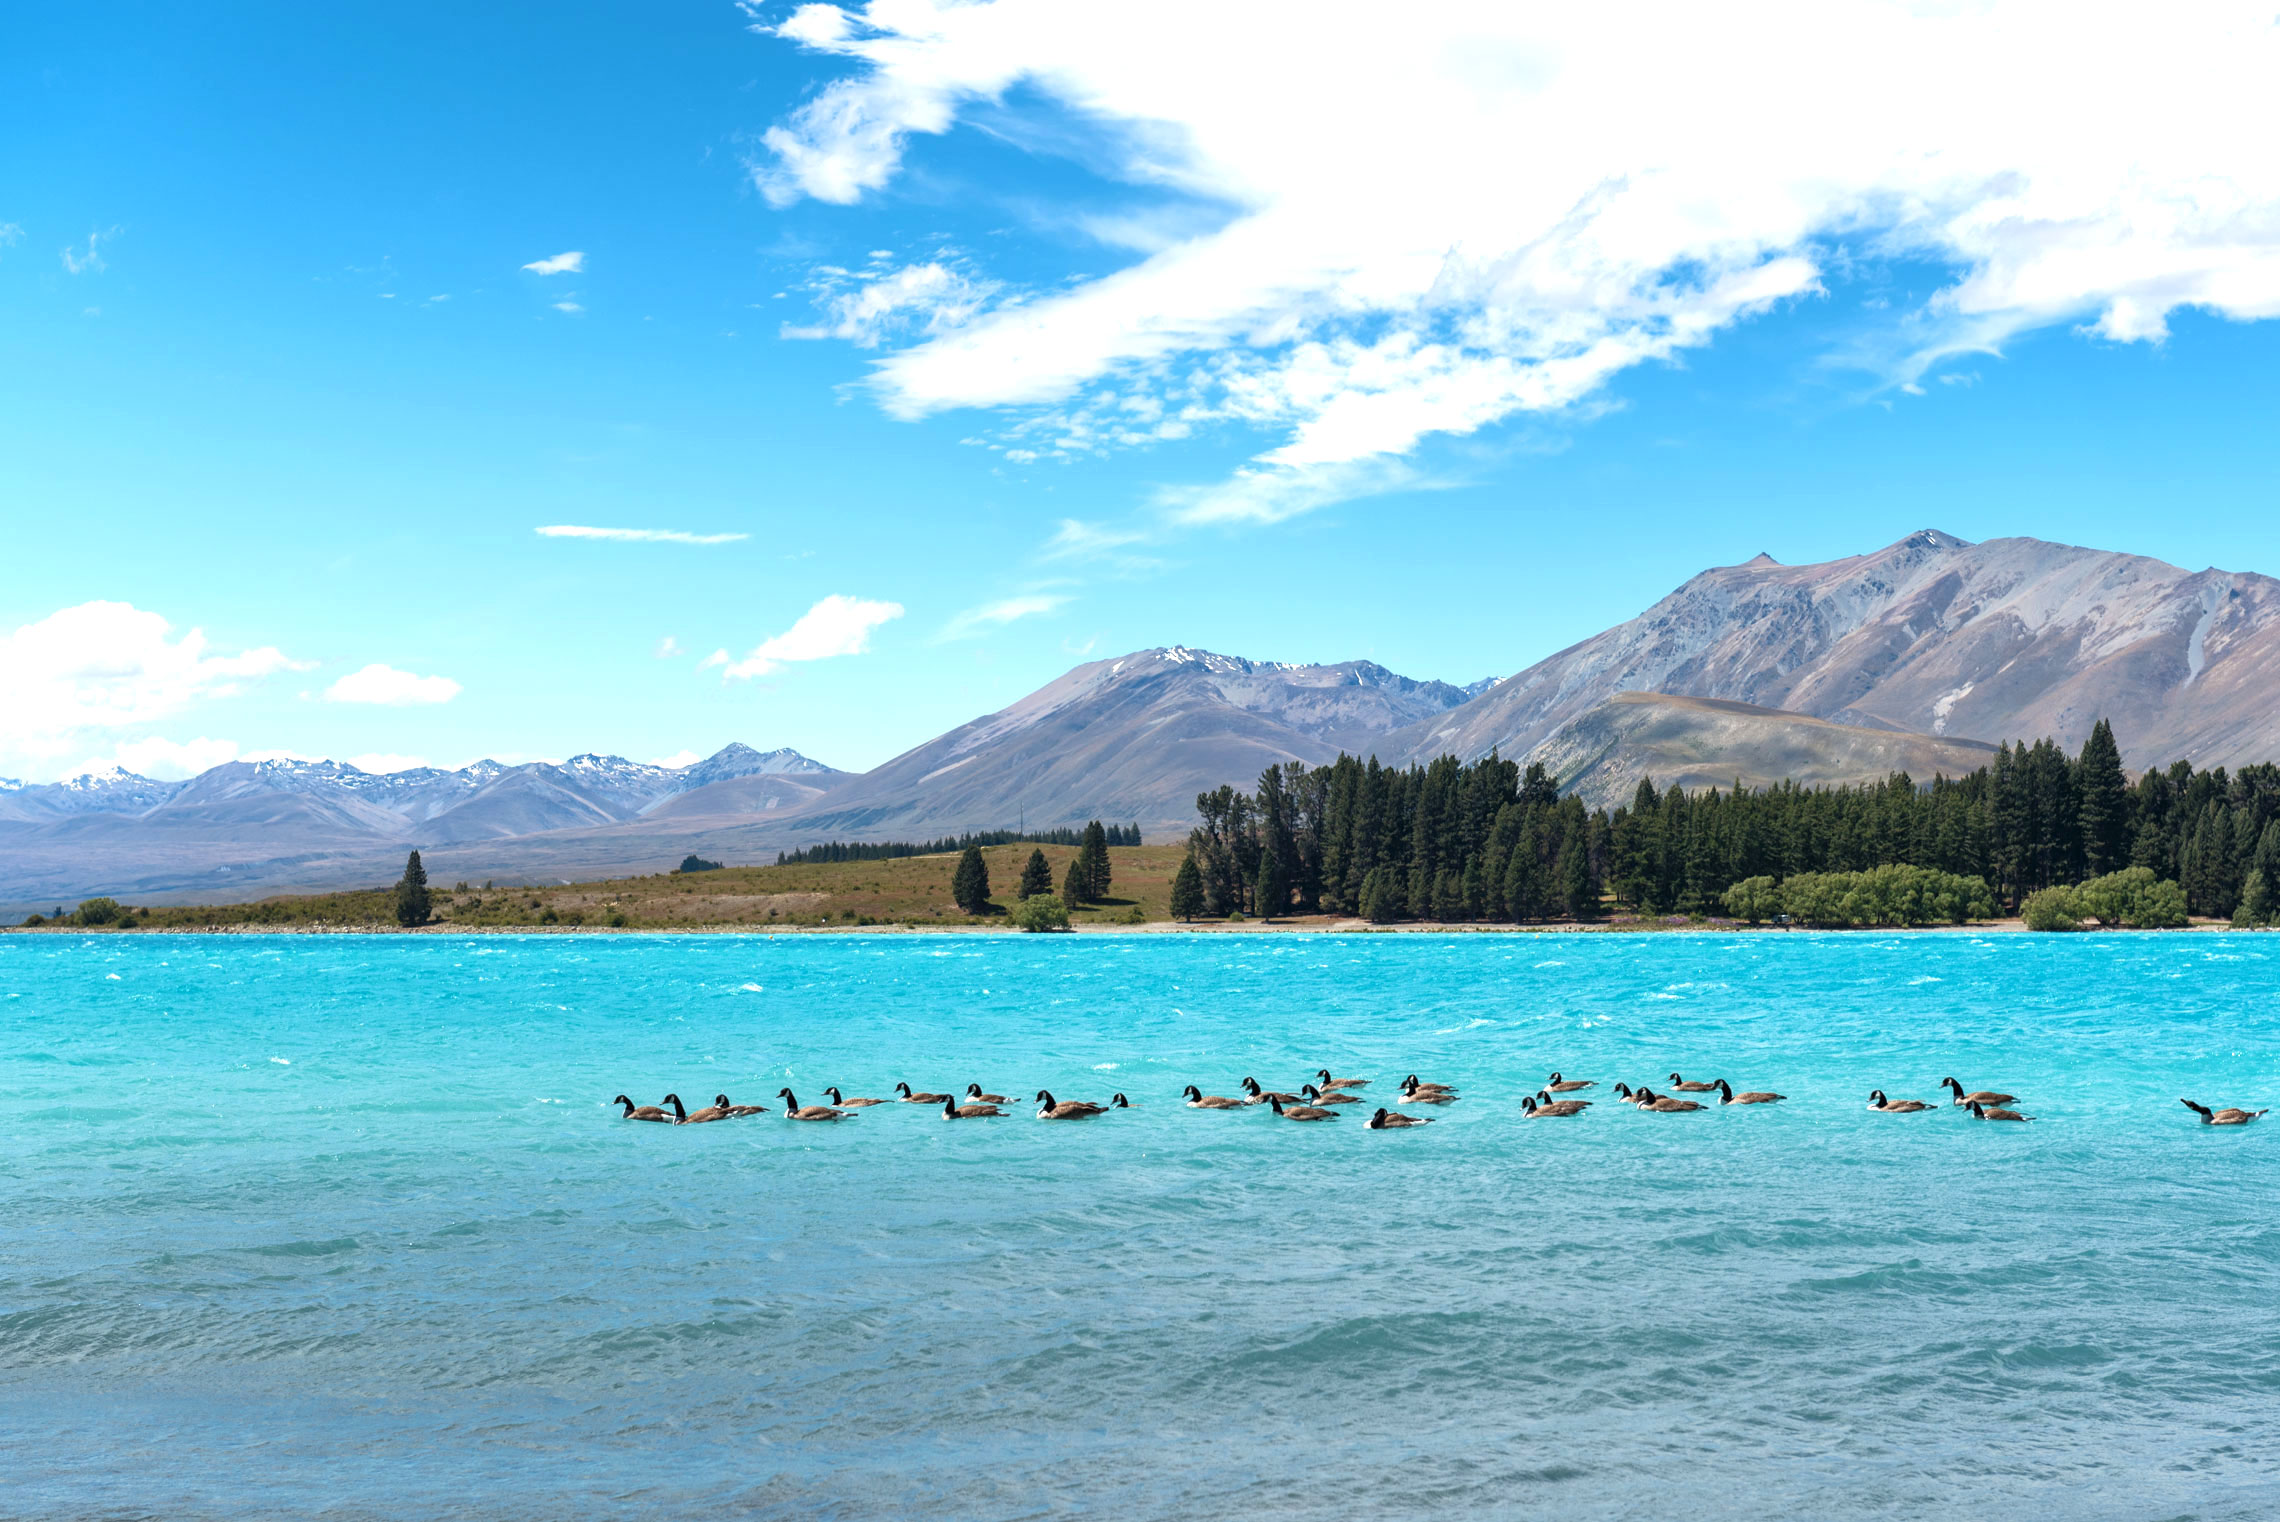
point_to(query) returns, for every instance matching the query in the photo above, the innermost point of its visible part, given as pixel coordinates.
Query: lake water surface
(345, 1227)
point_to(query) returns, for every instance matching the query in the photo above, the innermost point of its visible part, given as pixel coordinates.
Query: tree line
(889, 850)
(1086, 882)
(1489, 840)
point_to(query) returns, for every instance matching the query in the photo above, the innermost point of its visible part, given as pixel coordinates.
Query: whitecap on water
(1540, 966)
(111, 977)
(1104, 1067)
(750, 988)
(283, 1062)
(1912, 982)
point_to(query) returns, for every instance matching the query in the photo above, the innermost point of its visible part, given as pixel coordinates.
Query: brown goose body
(2228, 1116)
(1199, 1100)
(1386, 1120)
(1689, 1086)
(952, 1110)
(1314, 1095)
(1977, 1096)
(975, 1095)
(1987, 1112)
(1049, 1108)
(736, 1112)
(1727, 1096)
(1425, 1096)
(1260, 1096)
(1414, 1082)
(1300, 1112)
(1561, 1085)
(643, 1112)
(794, 1110)
(1328, 1083)
(1662, 1104)
(715, 1111)
(908, 1098)
(851, 1104)
(1555, 1109)
(1883, 1106)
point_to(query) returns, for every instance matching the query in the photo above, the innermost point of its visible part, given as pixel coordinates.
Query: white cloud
(571, 263)
(387, 686)
(636, 535)
(383, 761)
(717, 658)
(572, 307)
(868, 307)
(835, 626)
(88, 261)
(677, 760)
(11, 234)
(668, 648)
(1487, 209)
(103, 667)
(997, 615)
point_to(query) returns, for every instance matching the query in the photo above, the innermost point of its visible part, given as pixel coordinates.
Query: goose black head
(1251, 1085)
(786, 1096)
(1977, 1110)
(1192, 1092)
(1674, 1078)
(1950, 1083)
(1277, 1103)
(722, 1100)
(1623, 1091)
(973, 1091)
(1876, 1097)
(1723, 1087)
(834, 1093)
(1045, 1098)
(622, 1100)
(1377, 1121)
(1323, 1074)
(1411, 1080)
(1119, 1102)
(903, 1089)
(1555, 1078)
(949, 1109)
(1310, 1091)
(1527, 1106)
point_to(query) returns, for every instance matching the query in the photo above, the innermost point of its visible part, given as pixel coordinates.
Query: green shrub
(2133, 897)
(34, 921)
(1135, 916)
(1040, 912)
(1887, 895)
(1754, 899)
(2051, 909)
(98, 911)
(617, 919)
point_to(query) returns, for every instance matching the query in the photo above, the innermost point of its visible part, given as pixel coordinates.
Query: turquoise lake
(346, 1227)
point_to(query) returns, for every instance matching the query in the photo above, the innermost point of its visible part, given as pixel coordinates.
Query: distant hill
(1709, 742)
(2010, 639)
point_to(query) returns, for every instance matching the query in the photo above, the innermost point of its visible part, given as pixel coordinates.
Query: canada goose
(794, 1110)
(1386, 1120)
(1300, 1112)
(1199, 1100)
(1559, 1085)
(1977, 1096)
(952, 1110)
(1877, 1102)
(1049, 1108)
(1982, 1112)
(680, 1116)
(909, 1098)
(1626, 1093)
(1261, 1096)
(1680, 1085)
(708, 1113)
(1119, 1102)
(1428, 1097)
(735, 1110)
(646, 1112)
(2225, 1117)
(1662, 1104)
(974, 1092)
(1329, 1083)
(1544, 1097)
(1318, 1097)
(1555, 1109)
(851, 1104)
(1411, 1082)
(1727, 1096)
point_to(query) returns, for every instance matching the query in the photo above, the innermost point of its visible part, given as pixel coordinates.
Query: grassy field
(910, 890)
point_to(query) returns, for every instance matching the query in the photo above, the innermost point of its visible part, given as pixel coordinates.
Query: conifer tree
(412, 904)
(1036, 876)
(1187, 890)
(970, 884)
(1076, 888)
(1576, 886)
(2103, 805)
(1094, 854)
(1272, 893)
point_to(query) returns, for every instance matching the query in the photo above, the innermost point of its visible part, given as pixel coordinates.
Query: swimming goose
(1977, 1096)
(708, 1113)
(1544, 1097)
(851, 1104)
(1983, 1112)
(1423, 1096)
(1261, 1096)
(2225, 1117)
(909, 1098)
(1049, 1108)
(1329, 1083)
(1386, 1120)
(1300, 1112)
(974, 1093)
(735, 1110)
(952, 1110)
(1199, 1100)
(1877, 1102)
(1119, 1102)
(1555, 1109)
(1727, 1096)
(1411, 1082)
(794, 1110)
(1626, 1093)
(1662, 1104)
(646, 1112)
(1316, 1096)
(1687, 1086)
(1559, 1085)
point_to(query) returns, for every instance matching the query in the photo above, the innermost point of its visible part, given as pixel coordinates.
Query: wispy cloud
(1370, 280)
(571, 263)
(11, 234)
(635, 535)
(869, 306)
(996, 615)
(89, 260)
(571, 307)
(1076, 539)
(388, 687)
(668, 648)
(838, 625)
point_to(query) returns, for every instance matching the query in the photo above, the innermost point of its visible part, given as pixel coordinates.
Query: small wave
(1914, 982)
(283, 1062)
(1104, 1067)
(1542, 965)
(750, 988)
(111, 977)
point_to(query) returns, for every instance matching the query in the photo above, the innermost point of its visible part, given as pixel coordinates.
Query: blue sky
(1021, 334)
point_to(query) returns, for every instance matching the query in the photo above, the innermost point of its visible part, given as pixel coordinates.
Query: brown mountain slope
(2010, 638)
(1709, 742)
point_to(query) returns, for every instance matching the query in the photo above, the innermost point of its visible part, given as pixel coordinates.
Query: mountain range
(1914, 657)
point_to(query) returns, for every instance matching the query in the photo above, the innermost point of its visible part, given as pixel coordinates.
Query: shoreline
(1309, 925)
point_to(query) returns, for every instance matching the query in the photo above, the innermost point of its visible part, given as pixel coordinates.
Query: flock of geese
(1319, 1101)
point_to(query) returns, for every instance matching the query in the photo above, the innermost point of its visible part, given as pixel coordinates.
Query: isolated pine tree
(1076, 887)
(412, 904)
(970, 885)
(1187, 890)
(1036, 877)
(1094, 854)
